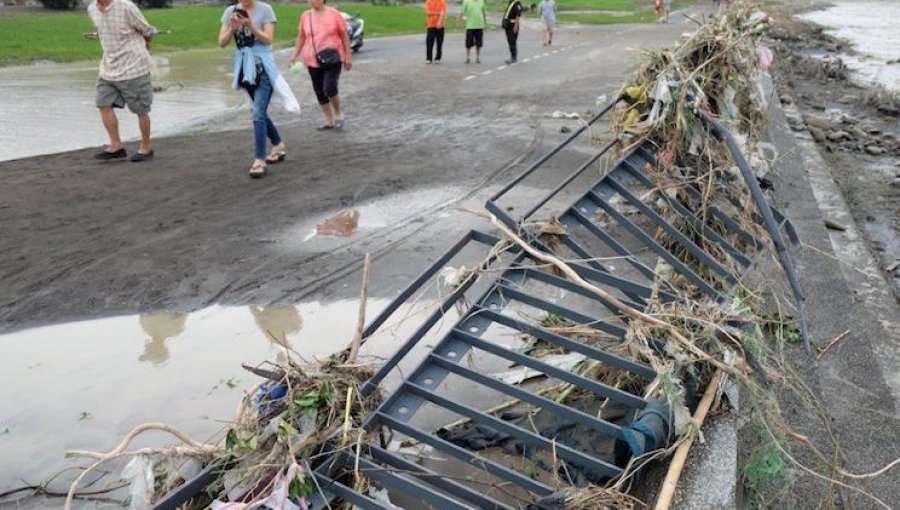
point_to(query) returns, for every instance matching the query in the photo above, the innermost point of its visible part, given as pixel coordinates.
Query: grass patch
(641, 13)
(57, 36)
(767, 475)
(606, 19)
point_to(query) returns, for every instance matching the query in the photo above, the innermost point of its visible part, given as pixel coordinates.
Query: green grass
(58, 36)
(575, 5)
(643, 13)
(606, 19)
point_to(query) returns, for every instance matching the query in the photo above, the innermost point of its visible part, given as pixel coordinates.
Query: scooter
(355, 29)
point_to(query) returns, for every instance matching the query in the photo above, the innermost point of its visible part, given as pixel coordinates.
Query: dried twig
(832, 344)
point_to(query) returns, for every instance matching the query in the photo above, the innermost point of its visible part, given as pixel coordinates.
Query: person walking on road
(473, 12)
(124, 72)
(324, 45)
(548, 16)
(435, 12)
(251, 24)
(511, 21)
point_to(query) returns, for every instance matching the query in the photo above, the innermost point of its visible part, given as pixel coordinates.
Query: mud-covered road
(82, 239)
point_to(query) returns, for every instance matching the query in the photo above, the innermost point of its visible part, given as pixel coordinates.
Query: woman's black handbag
(329, 57)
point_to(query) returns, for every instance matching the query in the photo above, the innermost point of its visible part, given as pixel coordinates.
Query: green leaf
(231, 440)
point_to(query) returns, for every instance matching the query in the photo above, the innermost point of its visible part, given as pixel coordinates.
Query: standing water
(54, 108)
(872, 29)
(84, 385)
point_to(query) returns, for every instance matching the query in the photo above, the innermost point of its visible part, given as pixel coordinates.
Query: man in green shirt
(473, 11)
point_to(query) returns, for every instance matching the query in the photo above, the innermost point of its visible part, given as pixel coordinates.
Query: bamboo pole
(361, 321)
(667, 493)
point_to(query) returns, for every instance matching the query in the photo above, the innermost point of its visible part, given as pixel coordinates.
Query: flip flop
(339, 124)
(326, 127)
(258, 170)
(276, 157)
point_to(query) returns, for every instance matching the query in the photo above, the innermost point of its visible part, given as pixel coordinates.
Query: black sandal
(326, 127)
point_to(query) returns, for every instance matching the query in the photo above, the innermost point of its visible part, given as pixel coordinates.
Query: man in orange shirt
(435, 12)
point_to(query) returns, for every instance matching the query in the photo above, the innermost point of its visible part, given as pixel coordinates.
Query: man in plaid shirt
(124, 72)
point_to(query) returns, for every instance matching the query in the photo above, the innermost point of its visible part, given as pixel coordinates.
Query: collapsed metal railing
(394, 472)
(603, 256)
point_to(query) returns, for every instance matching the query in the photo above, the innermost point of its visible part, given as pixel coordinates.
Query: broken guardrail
(475, 480)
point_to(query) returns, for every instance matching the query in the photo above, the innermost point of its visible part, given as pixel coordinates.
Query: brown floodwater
(84, 385)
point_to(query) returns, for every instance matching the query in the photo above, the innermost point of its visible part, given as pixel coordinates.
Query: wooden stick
(347, 409)
(832, 344)
(667, 493)
(361, 322)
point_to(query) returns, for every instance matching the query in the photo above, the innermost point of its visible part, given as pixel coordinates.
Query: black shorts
(474, 37)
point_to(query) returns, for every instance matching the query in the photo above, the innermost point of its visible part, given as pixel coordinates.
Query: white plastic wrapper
(139, 472)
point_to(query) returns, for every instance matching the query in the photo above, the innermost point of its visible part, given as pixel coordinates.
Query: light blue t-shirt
(262, 14)
(548, 10)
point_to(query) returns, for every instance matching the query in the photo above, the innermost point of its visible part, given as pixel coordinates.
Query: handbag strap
(312, 34)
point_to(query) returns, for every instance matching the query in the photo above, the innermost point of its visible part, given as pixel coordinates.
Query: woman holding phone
(324, 46)
(251, 24)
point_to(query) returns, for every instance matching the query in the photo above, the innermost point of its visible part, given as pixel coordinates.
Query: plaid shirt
(122, 29)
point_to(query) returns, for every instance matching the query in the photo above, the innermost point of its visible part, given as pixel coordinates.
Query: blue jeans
(262, 124)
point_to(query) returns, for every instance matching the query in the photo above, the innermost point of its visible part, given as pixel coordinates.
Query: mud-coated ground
(82, 239)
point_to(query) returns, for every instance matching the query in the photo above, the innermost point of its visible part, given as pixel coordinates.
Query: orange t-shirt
(327, 30)
(435, 20)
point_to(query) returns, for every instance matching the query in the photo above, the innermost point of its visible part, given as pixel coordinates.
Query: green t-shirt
(473, 10)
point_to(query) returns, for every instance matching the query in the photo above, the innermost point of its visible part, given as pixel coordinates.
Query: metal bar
(596, 387)
(440, 481)
(600, 425)
(567, 343)
(610, 241)
(177, 497)
(495, 469)
(485, 298)
(404, 349)
(543, 159)
(715, 210)
(656, 247)
(627, 286)
(333, 487)
(569, 179)
(587, 256)
(670, 229)
(562, 451)
(691, 218)
(416, 284)
(415, 488)
(567, 313)
(766, 210)
(562, 283)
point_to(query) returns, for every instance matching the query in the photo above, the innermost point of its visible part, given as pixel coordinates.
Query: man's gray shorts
(137, 93)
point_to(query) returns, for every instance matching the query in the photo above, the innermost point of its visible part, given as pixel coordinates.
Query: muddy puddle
(58, 112)
(86, 384)
(393, 210)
